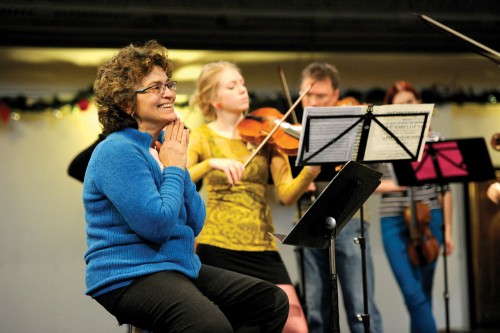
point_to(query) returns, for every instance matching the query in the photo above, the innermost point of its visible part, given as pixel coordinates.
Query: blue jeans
(350, 276)
(415, 282)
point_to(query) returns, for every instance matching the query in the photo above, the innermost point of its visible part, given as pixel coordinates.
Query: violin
(257, 125)
(423, 247)
(348, 101)
(277, 126)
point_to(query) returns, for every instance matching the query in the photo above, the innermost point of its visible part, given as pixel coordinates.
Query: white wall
(43, 230)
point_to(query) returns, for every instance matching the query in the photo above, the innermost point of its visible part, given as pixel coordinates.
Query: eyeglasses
(159, 88)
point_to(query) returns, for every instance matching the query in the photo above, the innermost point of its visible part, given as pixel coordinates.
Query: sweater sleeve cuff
(174, 170)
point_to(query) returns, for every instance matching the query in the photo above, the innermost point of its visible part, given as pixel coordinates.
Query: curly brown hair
(117, 80)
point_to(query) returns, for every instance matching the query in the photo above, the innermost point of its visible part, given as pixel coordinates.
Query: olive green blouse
(239, 216)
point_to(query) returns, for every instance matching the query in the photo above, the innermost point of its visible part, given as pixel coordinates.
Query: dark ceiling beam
(254, 25)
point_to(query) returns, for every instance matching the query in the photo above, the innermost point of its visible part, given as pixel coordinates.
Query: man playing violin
(325, 92)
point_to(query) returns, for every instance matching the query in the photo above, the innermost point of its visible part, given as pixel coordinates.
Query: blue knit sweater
(140, 220)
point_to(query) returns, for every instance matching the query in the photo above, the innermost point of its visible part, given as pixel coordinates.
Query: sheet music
(380, 133)
(328, 124)
(410, 129)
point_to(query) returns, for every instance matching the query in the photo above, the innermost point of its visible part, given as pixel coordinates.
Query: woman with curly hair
(143, 212)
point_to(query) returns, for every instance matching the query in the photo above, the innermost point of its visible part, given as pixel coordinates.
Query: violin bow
(483, 50)
(284, 85)
(278, 124)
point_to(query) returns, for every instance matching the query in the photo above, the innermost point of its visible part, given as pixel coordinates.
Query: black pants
(218, 301)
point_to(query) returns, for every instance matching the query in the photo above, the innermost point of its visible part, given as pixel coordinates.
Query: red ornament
(4, 112)
(83, 104)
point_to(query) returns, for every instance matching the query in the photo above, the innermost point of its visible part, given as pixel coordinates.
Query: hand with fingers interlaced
(173, 151)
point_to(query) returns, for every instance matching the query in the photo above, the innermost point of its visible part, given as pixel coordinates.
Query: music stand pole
(442, 190)
(365, 316)
(328, 215)
(446, 294)
(330, 226)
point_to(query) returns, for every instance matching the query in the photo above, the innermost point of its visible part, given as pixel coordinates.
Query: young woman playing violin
(412, 246)
(236, 232)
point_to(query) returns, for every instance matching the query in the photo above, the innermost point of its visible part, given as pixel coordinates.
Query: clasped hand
(173, 151)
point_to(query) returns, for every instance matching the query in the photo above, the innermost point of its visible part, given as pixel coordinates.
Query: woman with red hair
(414, 280)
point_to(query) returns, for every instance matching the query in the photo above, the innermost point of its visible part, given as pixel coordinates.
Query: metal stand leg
(446, 294)
(331, 225)
(364, 317)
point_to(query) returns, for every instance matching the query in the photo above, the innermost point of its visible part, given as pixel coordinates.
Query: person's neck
(226, 124)
(155, 133)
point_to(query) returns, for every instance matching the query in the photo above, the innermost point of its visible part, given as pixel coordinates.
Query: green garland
(22, 104)
(82, 99)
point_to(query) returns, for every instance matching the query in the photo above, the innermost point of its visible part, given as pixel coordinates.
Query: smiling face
(232, 94)
(154, 110)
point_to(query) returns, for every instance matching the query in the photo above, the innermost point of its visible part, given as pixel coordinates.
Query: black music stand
(363, 133)
(448, 161)
(444, 162)
(329, 214)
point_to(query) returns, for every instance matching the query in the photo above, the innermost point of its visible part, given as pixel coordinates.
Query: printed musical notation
(364, 133)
